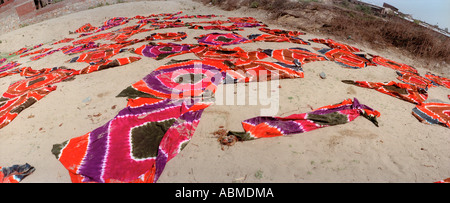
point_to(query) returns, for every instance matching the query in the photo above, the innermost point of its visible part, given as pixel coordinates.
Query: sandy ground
(401, 149)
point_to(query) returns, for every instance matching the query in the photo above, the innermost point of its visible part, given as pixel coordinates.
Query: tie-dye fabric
(9, 66)
(415, 79)
(36, 52)
(86, 28)
(175, 36)
(132, 147)
(189, 79)
(346, 59)
(392, 64)
(267, 126)
(221, 39)
(218, 53)
(433, 113)
(335, 45)
(65, 40)
(15, 173)
(284, 33)
(22, 94)
(162, 50)
(255, 71)
(274, 38)
(294, 56)
(438, 80)
(407, 92)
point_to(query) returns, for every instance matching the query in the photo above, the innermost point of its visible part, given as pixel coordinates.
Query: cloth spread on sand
(194, 78)
(113, 22)
(267, 126)
(9, 66)
(132, 147)
(86, 28)
(335, 45)
(275, 38)
(407, 92)
(15, 173)
(22, 94)
(392, 64)
(415, 79)
(175, 36)
(36, 52)
(96, 56)
(107, 64)
(78, 49)
(34, 58)
(104, 36)
(439, 80)
(294, 56)
(24, 50)
(65, 40)
(217, 27)
(346, 59)
(162, 50)
(284, 33)
(221, 39)
(160, 118)
(433, 113)
(2, 60)
(255, 71)
(219, 53)
(39, 83)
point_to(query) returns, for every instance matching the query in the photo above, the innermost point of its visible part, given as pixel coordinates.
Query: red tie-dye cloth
(407, 92)
(268, 126)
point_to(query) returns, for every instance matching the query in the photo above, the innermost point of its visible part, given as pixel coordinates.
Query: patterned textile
(392, 64)
(219, 53)
(96, 56)
(34, 58)
(79, 49)
(105, 36)
(86, 28)
(2, 60)
(433, 113)
(415, 79)
(166, 36)
(107, 64)
(15, 173)
(274, 38)
(346, 58)
(9, 66)
(284, 33)
(162, 50)
(294, 56)
(216, 27)
(335, 45)
(221, 39)
(22, 94)
(266, 126)
(407, 92)
(132, 147)
(113, 22)
(65, 40)
(24, 50)
(36, 52)
(254, 71)
(189, 79)
(439, 80)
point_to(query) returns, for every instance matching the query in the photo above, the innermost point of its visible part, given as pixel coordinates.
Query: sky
(434, 12)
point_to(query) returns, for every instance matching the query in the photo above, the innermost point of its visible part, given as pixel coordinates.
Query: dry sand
(401, 149)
